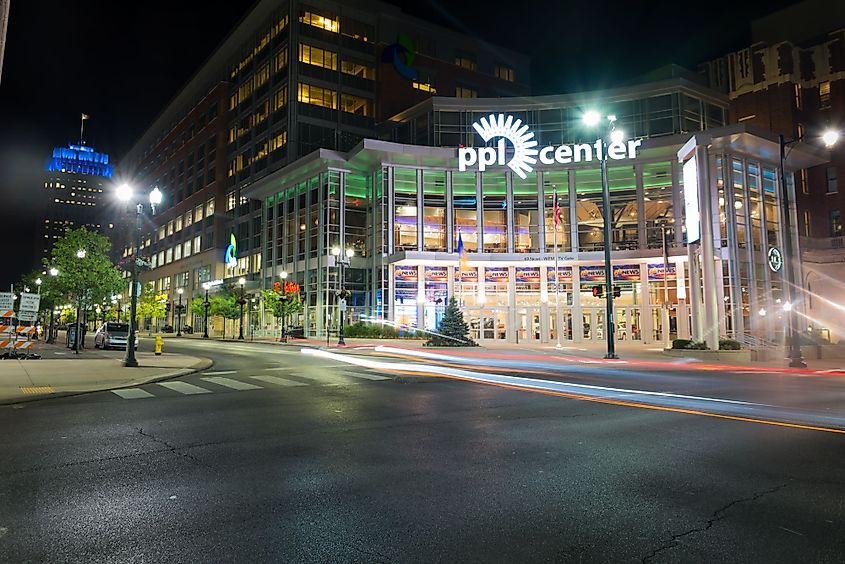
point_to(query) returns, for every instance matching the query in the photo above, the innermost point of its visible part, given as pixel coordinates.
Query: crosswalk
(213, 382)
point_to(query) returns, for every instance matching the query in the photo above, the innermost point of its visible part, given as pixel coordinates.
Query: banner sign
(656, 272)
(496, 274)
(405, 273)
(467, 275)
(626, 272)
(591, 273)
(436, 274)
(527, 279)
(405, 283)
(564, 274)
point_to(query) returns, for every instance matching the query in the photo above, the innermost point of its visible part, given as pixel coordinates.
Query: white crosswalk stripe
(233, 384)
(220, 372)
(132, 393)
(278, 381)
(184, 388)
(367, 376)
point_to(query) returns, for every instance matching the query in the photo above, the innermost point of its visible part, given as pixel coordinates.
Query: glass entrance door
(528, 325)
(593, 323)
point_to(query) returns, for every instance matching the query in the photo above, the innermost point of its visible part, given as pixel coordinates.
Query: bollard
(159, 345)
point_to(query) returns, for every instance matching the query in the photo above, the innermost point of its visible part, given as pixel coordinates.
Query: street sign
(27, 315)
(342, 305)
(30, 302)
(775, 259)
(7, 300)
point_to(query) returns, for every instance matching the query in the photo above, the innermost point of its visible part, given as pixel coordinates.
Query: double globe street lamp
(125, 194)
(241, 302)
(179, 308)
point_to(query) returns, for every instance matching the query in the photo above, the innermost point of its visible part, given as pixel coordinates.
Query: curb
(204, 364)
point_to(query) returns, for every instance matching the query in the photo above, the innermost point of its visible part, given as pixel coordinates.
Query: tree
(452, 330)
(86, 279)
(196, 306)
(150, 304)
(291, 305)
(225, 304)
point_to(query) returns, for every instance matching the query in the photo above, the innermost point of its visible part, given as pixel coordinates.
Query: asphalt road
(327, 464)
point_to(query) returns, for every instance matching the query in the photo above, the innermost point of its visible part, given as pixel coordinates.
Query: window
(186, 248)
(230, 201)
(317, 57)
(465, 92)
(279, 99)
(280, 60)
(504, 73)
(358, 69)
(177, 252)
(797, 96)
(198, 213)
(806, 223)
(209, 207)
(178, 226)
(168, 256)
(358, 30)
(835, 223)
(356, 105)
(197, 241)
(262, 75)
(317, 96)
(832, 180)
(170, 227)
(278, 140)
(322, 22)
(466, 61)
(425, 87)
(824, 94)
(279, 26)
(182, 279)
(802, 178)
(161, 233)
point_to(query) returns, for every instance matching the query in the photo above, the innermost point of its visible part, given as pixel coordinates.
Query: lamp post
(283, 298)
(77, 339)
(342, 259)
(179, 291)
(51, 337)
(124, 193)
(591, 119)
(205, 305)
(241, 302)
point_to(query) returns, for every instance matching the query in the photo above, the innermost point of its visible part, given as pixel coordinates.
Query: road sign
(775, 259)
(24, 315)
(342, 305)
(7, 300)
(30, 302)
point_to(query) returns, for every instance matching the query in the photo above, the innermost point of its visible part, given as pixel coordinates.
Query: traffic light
(598, 291)
(167, 307)
(617, 291)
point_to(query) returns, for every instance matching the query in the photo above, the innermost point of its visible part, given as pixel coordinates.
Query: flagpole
(81, 128)
(557, 276)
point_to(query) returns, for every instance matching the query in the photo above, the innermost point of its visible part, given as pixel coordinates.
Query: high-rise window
(824, 94)
(280, 60)
(832, 180)
(797, 96)
(209, 207)
(317, 96)
(802, 178)
(466, 61)
(262, 75)
(504, 72)
(835, 223)
(424, 86)
(806, 225)
(278, 140)
(317, 57)
(322, 22)
(405, 211)
(356, 105)
(465, 92)
(279, 99)
(360, 70)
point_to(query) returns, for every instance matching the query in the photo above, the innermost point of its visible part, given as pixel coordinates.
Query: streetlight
(77, 339)
(54, 271)
(51, 337)
(179, 313)
(592, 119)
(81, 253)
(830, 138)
(241, 302)
(125, 194)
(283, 298)
(342, 260)
(205, 305)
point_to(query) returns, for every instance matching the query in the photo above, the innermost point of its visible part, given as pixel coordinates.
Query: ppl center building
(483, 174)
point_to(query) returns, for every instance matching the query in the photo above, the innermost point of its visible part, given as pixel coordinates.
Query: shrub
(729, 345)
(680, 343)
(697, 345)
(377, 331)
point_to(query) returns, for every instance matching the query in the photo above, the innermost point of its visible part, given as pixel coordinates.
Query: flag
(85, 116)
(462, 254)
(556, 212)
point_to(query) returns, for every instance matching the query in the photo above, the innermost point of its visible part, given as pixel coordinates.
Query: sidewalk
(61, 372)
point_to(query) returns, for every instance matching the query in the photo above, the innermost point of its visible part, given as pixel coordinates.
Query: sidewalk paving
(61, 372)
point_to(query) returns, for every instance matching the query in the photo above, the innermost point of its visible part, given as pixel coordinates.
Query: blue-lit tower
(76, 185)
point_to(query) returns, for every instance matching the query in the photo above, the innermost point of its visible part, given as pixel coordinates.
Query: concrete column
(544, 305)
(577, 312)
(511, 327)
(706, 198)
(646, 326)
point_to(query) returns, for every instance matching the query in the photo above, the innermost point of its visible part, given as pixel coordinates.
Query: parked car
(112, 334)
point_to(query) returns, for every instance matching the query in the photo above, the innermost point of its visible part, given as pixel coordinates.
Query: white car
(111, 334)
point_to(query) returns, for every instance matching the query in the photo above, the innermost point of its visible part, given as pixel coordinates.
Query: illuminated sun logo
(524, 144)
(230, 257)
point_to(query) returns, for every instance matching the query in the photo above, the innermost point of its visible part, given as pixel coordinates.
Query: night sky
(121, 62)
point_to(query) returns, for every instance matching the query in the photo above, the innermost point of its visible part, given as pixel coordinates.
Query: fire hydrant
(159, 345)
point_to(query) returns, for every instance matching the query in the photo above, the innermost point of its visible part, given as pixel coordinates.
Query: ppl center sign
(525, 152)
